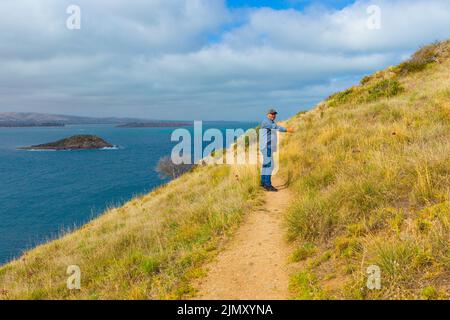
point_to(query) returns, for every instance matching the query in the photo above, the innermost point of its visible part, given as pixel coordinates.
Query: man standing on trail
(268, 145)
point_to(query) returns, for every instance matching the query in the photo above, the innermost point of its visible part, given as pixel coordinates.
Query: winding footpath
(254, 264)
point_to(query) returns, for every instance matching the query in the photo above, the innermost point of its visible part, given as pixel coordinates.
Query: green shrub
(357, 229)
(386, 88)
(348, 247)
(304, 252)
(429, 293)
(304, 286)
(397, 260)
(340, 98)
(311, 218)
(321, 259)
(420, 60)
(151, 265)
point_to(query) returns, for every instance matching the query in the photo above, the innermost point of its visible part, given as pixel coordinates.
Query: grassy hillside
(370, 172)
(370, 168)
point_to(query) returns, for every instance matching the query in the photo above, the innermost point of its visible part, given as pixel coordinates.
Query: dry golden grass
(371, 171)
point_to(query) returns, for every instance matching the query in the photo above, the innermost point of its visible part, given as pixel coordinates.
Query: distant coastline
(30, 124)
(31, 120)
(155, 124)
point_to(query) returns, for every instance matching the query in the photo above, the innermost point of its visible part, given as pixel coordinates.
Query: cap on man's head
(272, 111)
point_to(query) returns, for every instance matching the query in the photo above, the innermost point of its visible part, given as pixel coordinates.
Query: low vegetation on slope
(370, 170)
(148, 249)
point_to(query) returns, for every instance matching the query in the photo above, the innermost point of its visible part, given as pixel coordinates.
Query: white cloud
(196, 58)
(403, 25)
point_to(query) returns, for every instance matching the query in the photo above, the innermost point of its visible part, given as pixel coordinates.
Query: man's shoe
(270, 188)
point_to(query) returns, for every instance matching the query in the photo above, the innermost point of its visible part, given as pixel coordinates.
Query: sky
(201, 59)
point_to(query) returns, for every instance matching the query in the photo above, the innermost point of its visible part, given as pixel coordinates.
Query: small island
(78, 142)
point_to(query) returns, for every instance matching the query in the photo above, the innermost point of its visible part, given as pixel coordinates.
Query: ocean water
(43, 193)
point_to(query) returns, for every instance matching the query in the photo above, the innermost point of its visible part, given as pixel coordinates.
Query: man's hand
(290, 130)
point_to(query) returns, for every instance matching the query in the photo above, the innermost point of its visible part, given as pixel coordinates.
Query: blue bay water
(43, 193)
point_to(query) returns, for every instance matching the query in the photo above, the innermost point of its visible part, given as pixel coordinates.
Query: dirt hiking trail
(254, 264)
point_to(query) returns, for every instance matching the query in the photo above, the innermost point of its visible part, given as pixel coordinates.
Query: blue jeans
(267, 166)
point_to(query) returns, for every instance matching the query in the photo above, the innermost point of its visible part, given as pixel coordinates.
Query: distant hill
(33, 119)
(155, 124)
(27, 119)
(20, 124)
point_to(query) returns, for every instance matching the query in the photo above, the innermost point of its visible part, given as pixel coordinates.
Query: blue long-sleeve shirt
(268, 134)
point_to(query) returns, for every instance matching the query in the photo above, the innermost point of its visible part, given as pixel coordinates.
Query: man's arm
(283, 129)
(272, 125)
